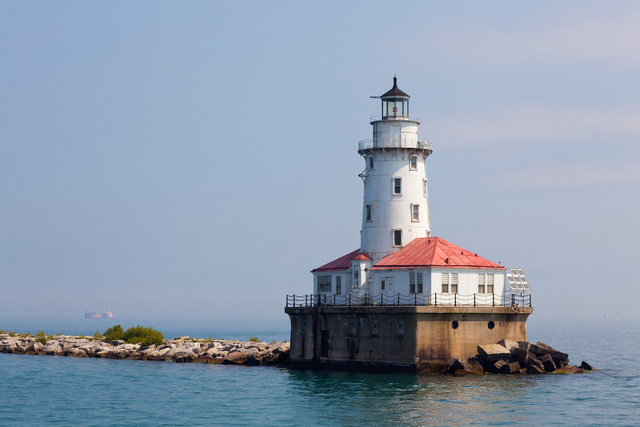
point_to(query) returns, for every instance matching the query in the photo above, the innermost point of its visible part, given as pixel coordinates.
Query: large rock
(587, 367)
(493, 352)
(236, 358)
(509, 344)
(548, 363)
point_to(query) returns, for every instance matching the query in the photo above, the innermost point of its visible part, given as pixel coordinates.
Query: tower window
(424, 187)
(368, 213)
(371, 164)
(397, 238)
(415, 213)
(397, 186)
(339, 285)
(413, 162)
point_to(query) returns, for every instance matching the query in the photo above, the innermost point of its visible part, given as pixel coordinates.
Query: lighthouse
(405, 299)
(396, 202)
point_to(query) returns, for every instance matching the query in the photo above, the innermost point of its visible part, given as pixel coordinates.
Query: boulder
(587, 367)
(569, 369)
(459, 365)
(493, 352)
(236, 358)
(549, 364)
(508, 344)
(534, 369)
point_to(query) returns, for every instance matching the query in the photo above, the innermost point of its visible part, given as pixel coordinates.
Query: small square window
(324, 284)
(397, 185)
(397, 237)
(413, 163)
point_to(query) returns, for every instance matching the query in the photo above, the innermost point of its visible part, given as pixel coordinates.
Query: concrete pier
(397, 338)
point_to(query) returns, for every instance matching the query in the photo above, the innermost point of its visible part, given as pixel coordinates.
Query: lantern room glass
(396, 107)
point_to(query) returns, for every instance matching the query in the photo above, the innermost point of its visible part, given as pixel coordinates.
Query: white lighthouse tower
(396, 203)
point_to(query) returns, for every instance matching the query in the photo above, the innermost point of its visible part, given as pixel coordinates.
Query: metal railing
(368, 144)
(474, 300)
(391, 118)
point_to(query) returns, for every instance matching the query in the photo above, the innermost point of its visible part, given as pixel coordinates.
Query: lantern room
(395, 103)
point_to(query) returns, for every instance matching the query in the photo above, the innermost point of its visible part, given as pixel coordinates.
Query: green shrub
(113, 333)
(143, 335)
(254, 339)
(41, 337)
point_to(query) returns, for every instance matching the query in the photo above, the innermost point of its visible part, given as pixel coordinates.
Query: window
(339, 285)
(397, 186)
(412, 282)
(324, 283)
(368, 213)
(415, 213)
(371, 164)
(413, 163)
(449, 283)
(424, 187)
(485, 283)
(397, 237)
(415, 278)
(383, 284)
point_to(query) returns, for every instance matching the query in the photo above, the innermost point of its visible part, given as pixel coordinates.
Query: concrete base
(397, 338)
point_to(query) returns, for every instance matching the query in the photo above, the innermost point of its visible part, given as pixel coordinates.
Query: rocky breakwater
(517, 357)
(181, 350)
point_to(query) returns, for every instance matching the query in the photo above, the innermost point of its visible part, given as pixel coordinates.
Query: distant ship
(106, 315)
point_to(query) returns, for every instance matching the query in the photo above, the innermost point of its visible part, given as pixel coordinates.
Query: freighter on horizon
(106, 315)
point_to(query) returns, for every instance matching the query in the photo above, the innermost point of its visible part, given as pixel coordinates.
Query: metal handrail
(436, 299)
(367, 144)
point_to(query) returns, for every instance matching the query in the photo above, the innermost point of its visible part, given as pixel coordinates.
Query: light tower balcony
(370, 144)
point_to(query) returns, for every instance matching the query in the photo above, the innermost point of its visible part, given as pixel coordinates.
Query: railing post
(349, 300)
(365, 299)
(415, 299)
(435, 300)
(529, 300)
(493, 299)
(381, 299)
(398, 298)
(474, 299)
(455, 300)
(334, 299)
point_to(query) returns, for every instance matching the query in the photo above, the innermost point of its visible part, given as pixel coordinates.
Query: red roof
(433, 252)
(339, 264)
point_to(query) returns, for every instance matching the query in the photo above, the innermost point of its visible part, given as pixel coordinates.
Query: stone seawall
(180, 350)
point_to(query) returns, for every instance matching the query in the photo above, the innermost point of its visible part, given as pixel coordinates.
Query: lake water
(63, 390)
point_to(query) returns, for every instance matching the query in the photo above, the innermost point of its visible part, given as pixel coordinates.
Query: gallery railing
(520, 299)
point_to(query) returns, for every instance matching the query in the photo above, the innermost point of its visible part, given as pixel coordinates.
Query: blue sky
(199, 159)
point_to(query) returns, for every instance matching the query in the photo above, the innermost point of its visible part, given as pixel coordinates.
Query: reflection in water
(396, 399)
